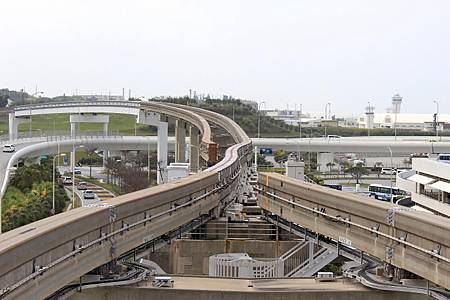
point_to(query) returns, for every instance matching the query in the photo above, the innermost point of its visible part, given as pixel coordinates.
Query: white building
(423, 122)
(429, 184)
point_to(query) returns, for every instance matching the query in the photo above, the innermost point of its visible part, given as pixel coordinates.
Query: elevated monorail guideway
(146, 112)
(40, 258)
(411, 240)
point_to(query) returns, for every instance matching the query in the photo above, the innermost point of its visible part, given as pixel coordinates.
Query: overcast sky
(283, 52)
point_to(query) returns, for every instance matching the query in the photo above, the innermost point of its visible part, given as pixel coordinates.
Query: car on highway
(82, 186)
(9, 148)
(77, 170)
(67, 180)
(388, 171)
(88, 194)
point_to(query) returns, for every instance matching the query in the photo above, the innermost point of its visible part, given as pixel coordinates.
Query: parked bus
(383, 192)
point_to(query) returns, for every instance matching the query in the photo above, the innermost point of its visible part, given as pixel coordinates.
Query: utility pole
(259, 116)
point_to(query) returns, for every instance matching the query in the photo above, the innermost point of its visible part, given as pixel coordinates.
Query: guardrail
(76, 104)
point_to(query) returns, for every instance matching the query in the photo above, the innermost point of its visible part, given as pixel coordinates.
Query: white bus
(383, 192)
(444, 157)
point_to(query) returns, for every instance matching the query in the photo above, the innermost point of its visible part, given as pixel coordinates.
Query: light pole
(148, 160)
(392, 172)
(327, 109)
(437, 120)
(300, 130)
(259, 116)
(367, 116)
(53, 186)
(73, 173)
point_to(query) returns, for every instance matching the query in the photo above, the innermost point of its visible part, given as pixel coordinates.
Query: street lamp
(392, 172)
(259, 116)
(368, 121)
(74, 149)
(148, 160)
(53, 186)
(437, 114)
(300, 130)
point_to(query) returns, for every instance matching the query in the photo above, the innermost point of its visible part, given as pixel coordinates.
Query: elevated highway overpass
(374, 144)
(39, 258)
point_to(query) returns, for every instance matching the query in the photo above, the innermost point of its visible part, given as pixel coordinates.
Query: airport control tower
(396, 103)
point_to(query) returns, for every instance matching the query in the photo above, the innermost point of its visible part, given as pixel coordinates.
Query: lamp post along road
(392, 173)
(53, 186)
(437, 118)
(259, 116)
(73, 173)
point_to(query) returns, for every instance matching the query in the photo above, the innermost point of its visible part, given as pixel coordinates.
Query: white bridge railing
(241, 265)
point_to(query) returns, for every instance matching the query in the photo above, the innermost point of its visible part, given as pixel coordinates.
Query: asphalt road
(4, 159)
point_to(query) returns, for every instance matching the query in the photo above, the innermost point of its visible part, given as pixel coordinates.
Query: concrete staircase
(306, 259)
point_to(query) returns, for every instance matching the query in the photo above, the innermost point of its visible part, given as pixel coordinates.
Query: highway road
(357, 144)
(5, 157)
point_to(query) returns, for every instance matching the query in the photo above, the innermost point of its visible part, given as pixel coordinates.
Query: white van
(9, 148)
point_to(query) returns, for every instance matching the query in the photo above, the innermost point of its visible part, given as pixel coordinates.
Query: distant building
(429, 183)
(253, 104)
(394, 118)
(424, 122)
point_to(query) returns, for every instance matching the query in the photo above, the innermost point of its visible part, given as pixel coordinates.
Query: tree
(280, 156)
(357, 171)
(330, 165)
(4, 100)
(90, 151)
(377, 168)
(261, 159)
(25, 176)
(407, 162)
(22, 208)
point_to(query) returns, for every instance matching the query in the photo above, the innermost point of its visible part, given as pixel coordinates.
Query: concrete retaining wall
(130, 293)
(191, 256)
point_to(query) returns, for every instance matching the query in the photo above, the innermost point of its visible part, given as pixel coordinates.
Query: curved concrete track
(408, 239)
(208, 149)
(39, 258)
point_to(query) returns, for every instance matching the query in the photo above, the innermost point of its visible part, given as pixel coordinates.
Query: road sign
(266, 151)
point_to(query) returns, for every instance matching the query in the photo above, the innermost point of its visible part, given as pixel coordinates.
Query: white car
(162, 281)
(388, 171)
(67, 180)
(9, 148)
(88, 194)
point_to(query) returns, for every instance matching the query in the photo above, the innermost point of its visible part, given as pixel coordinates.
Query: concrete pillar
(13, 127)
(105, 129)
(323, 159)
(73, 128)
(194, 137)
(180, 137)
(105, 157)
(161, 169)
